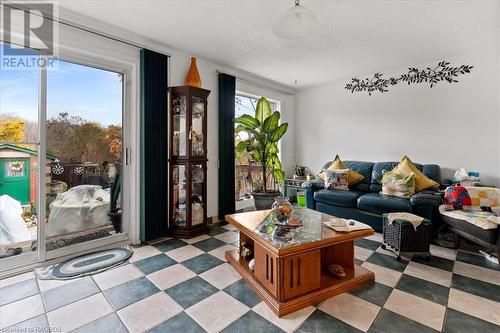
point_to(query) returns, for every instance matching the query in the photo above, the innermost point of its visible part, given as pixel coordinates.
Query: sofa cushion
(337, 164)
(422, 182)
(364, 169)
(379, 203)
(376, 176)
(338, 197)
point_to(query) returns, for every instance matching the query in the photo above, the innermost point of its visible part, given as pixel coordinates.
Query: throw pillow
(422, 182)
(337, 164)
(337, 179)
(397, 185)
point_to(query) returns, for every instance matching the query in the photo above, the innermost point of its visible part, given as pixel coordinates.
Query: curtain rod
(257, 84)
(82, 28)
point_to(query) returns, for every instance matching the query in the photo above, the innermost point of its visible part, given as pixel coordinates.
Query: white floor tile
(220, 252)
(149, 312)
(144, 252)
(79, 313)
(416, 308)
(288, 323)
(221, 276)
(352, 310)
(429, 273)
(217, 311)
(383, 275)
(378, 237)
(19, 311)
(476, 306)
(476, 272)
(170, 276)
(16, 278)
(228, 237)
(196, 239)
(114, 277)
(184, 253)
(229, 227)
(50, 284)
(362, 253)
(443, 252)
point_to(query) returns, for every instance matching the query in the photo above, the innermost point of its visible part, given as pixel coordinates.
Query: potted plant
(264, 131)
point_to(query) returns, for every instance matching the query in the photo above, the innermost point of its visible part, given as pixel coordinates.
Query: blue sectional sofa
(363, 201)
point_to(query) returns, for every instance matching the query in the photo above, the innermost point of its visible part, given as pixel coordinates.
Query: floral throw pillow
(397, 185)
(337, 179)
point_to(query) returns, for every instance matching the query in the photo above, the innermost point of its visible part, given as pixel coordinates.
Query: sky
(90, 93)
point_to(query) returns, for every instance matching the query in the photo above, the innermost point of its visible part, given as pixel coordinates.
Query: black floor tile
(252, 322)
(181, 323)
(390, 322)
(320, 321)
(476, 287)
(154, 263)
(208, 245)
(425, 289)
(387, 261)
(458, 322)
(243, 293)
(367, 244)
(170, 244)
(436, 262)
(191, 291)
(202, 263)
(477, 260)
(130, 292)
(376, 293)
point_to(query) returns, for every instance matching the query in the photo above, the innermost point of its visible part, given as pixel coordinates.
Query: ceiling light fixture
(297, 23)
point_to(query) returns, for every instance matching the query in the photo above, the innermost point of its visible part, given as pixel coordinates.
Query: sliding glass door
(62, 166)
(19, 162)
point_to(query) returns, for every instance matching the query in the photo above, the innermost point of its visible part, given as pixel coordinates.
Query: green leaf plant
(264, 132)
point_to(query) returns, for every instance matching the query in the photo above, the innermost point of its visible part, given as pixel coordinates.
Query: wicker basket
(402, 237)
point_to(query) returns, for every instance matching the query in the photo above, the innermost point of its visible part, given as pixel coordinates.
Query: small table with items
(293, 274)
(292, 186)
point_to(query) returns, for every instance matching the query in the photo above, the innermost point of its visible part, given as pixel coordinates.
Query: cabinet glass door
(179, 126)
(197, 120)
(197, 198)
(179, 213)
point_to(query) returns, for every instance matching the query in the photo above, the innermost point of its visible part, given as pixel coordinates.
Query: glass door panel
(197, 196)
(197, 120)
(19, 165)
(179, 125)
(179, 195)
(84, 139)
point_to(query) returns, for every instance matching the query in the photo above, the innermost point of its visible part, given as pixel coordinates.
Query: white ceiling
(358, 37)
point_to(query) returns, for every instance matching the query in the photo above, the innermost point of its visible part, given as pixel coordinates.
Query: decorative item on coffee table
(407, 238)
(188, 161)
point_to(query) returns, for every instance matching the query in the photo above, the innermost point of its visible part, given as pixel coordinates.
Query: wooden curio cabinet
(188, 161)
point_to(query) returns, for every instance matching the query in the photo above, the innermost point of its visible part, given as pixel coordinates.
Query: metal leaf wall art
(442, 72)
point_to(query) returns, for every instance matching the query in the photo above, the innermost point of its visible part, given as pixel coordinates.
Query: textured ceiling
(357, 37)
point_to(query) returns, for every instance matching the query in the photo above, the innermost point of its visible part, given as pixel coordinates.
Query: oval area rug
(87, 264)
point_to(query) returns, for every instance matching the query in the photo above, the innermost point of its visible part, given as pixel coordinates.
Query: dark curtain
(154, 145)
(227, 91)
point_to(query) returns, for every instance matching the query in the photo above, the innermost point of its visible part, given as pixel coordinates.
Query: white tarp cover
(12, 226)
(81, 208)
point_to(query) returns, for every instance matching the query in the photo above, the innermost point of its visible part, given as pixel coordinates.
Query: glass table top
(310, 231)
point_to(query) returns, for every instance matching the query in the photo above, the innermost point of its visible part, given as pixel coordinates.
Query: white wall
(453, 125)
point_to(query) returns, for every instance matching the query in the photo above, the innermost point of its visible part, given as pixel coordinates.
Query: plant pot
(264, 200)
(116, 219)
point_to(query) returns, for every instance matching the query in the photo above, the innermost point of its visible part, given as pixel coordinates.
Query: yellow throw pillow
(422, 182)
(353, 176)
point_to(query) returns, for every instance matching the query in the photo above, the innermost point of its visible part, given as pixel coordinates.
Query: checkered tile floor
(186, 286)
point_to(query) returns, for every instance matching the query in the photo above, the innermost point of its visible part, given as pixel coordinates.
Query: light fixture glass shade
(297, 23)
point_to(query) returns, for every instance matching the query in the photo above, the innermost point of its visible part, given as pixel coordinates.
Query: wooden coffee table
(289, 276)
